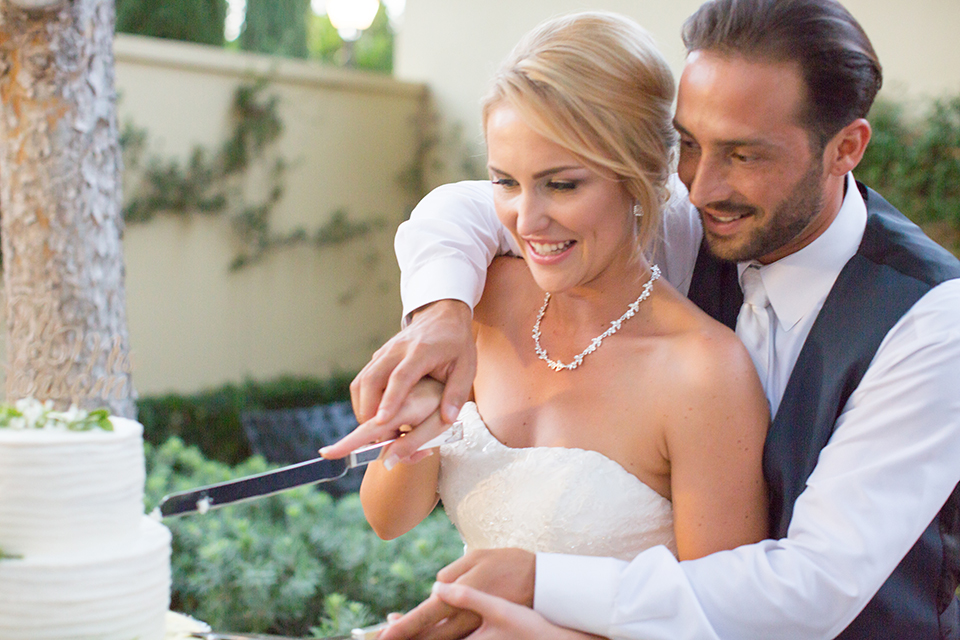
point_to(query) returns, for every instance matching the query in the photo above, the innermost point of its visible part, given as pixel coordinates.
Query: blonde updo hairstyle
(595, 84)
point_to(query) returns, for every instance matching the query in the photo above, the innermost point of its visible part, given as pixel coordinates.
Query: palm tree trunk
(60, 199)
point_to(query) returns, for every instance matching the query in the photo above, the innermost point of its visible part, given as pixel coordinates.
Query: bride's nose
(532, 215)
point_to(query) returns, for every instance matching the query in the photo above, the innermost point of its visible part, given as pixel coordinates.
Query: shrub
(210, 420)
(290, 562)
(915, 164)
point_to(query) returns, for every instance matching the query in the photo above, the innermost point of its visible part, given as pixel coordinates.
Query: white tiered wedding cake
(78, 558)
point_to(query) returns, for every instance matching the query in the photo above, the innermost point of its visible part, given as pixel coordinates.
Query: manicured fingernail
(323, 450)
(390, 461)
(436, 588)
(450, 413)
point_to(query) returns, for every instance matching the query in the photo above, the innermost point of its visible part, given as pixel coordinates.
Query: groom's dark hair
(838, 64)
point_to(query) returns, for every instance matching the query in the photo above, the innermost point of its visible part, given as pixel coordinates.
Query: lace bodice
(547, 499)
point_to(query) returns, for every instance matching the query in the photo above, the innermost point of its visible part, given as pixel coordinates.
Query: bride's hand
(420, 411)
(502, 619)
(438, 343)
(506, 573)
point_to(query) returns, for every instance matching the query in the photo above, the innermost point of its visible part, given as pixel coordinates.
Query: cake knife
(313, 471)
(367, 633)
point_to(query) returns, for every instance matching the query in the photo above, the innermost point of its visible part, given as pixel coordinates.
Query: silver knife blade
(366, 633)
(214, 496)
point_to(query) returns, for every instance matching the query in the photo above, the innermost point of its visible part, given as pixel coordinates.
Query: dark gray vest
(895, 265)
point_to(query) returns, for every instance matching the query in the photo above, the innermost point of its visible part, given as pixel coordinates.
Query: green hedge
(914, 162)
(292, 563)
(210, 419)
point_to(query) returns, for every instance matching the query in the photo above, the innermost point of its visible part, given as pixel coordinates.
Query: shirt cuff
(440, 279)
(577, 591)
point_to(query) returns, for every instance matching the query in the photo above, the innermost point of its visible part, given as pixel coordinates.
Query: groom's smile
(751, 166)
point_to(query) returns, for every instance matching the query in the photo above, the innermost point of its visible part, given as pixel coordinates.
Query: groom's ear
(845, 150)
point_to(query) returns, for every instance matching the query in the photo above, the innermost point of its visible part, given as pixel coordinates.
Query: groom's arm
(879, 482)
(444, 250)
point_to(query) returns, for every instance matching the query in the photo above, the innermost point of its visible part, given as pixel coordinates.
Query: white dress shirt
(885, 473)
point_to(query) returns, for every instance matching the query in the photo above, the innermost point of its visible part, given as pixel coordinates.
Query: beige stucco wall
(195, 324)
(348, 135)
(455, 46)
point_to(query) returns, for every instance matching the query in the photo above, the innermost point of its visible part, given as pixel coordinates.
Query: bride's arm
(398, 499)
(714, 438)
(397, 496)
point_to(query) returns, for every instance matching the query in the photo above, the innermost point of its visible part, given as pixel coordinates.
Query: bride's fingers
(419, 620)
(419, 408)
(405, 448)
(458, 625)
(491, 608)
(364, 434)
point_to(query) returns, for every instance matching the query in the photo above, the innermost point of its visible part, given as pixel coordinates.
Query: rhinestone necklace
(556, 365)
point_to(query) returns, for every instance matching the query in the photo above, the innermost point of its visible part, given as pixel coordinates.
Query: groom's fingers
(438, 342)
(367, 388)
(459, 383)
(507, 573)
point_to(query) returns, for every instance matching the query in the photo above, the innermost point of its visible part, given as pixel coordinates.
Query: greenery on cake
(30, 413)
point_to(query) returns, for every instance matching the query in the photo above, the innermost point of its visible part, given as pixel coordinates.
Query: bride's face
(571, 222)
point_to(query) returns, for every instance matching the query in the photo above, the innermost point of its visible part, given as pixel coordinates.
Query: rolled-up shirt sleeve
(445, 247)
(886, 472)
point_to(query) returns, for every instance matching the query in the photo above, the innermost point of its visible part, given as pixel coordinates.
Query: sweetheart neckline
(474, 410)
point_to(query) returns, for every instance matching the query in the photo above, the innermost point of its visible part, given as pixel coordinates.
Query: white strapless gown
(547, 499)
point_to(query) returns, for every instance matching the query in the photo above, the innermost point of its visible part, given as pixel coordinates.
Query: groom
(852, 316)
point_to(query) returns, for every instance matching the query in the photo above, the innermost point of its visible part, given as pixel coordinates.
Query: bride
(609, 414)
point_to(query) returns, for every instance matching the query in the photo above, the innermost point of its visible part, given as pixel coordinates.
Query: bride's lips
(548, 252)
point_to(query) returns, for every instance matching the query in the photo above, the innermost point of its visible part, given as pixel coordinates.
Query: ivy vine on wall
(211, 182)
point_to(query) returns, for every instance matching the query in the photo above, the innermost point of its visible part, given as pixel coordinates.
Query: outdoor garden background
(265, 175)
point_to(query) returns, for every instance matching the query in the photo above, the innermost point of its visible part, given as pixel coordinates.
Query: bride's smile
(574, 224)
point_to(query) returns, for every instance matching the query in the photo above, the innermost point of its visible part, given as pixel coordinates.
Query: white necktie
(756, 325)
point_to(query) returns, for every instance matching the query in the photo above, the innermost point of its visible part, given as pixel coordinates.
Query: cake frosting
(79, 558)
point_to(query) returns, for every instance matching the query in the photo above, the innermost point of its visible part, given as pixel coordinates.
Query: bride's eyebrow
(539, 174)
(555, 170)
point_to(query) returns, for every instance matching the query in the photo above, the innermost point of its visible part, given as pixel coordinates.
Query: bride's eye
(562, 185)
(506, 183)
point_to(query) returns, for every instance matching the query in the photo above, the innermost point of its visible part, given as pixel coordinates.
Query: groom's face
(746, 157)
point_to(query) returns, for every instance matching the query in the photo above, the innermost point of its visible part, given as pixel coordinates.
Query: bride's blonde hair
(595, 84)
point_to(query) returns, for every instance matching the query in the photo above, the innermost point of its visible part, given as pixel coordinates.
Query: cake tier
(118, 593)
(68, 491)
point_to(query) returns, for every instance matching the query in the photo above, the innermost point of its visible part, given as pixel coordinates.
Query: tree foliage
(188, 20)
(276, 27)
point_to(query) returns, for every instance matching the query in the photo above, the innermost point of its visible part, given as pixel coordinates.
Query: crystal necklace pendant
(556, 365)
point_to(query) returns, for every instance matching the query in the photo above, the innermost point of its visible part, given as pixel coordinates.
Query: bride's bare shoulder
(704, 365)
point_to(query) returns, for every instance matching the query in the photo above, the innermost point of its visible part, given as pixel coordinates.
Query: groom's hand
(506, 573)
(438, 343)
